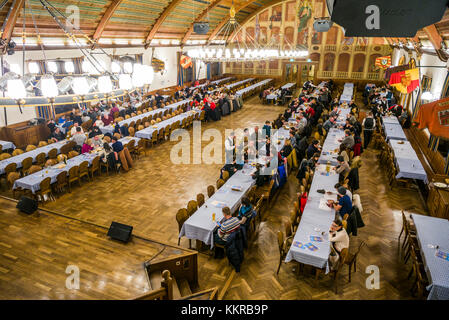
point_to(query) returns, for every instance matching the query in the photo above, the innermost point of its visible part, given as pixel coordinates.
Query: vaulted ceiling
(140, 22)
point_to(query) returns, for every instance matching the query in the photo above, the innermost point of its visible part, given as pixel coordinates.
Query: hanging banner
(405, 81)
(435, 117)
(186, 61)
(383, 62)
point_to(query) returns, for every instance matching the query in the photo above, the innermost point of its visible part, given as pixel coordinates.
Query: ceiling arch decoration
(115, 23)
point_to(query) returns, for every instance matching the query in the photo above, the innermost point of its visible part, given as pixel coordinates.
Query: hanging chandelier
(219, 49)
(94, 82)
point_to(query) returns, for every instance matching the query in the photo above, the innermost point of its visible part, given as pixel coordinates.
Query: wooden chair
(73, 177)
(139, 149)
(200, 199)
(225, 175)
(42, 144)
(283, 248)
(95, 167)
(192, 206)
(34, 169)
(61, 182)
(5, 156)
(45, 189)
(40, 159)
(10, 179)
(351, 259)
(131, 131)
(53, 153)
(30, 147)
(84, 170)
(220, 183)
(181, 217)
(210, 191)
(336, 273)
(16, 152)
(26, 165)
(104, 165)
(72, 154)
(161, 135)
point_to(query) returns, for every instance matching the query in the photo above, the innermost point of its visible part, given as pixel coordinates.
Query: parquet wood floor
(35, 251)
(149, 196)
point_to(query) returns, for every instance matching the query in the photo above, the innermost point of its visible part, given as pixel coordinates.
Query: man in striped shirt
(226, 226)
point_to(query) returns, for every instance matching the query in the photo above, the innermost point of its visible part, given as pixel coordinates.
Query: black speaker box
(119, 231)
(27, 205)
(201, 27)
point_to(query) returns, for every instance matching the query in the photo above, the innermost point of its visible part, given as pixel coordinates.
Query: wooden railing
(373, 76)
(208, 294)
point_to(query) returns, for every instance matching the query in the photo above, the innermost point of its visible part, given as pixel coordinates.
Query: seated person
(245, 212)
(79, 137)
(339, 240)
(57, 135)
(95, 132)
(226, 226)
(342, 168)
(96, 142)
(344, 205)
(87, 146)
(117, 146)
(231, 168)
(313, 148)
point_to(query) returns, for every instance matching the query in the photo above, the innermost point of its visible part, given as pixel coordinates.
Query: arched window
(329, 59)
(343, 62)
(359, 62)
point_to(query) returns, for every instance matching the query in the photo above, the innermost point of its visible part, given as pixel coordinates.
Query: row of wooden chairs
(410, 250)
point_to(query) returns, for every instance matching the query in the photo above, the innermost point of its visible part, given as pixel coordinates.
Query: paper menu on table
(332, 196)
(323, 205)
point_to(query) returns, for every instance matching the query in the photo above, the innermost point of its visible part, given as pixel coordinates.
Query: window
(69, 67)
(33, 67)
(52, 66)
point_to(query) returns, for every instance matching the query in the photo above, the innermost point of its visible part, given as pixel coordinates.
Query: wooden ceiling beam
(105, 19)
(210, 7)
(161, 20)
(434, 36)
(10, 24)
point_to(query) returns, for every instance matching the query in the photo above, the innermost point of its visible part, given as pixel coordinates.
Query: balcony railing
(330, 47)
(356, 75)
(349, 75)
(341, 74)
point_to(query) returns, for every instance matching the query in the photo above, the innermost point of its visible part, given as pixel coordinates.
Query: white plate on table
(440, 185)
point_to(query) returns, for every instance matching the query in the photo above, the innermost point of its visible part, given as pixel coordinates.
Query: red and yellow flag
(383, 62)
(405, 81)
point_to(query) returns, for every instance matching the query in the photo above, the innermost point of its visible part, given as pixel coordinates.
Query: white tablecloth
(235, 84)
(254, 86)
(148, 132)
(7, 145)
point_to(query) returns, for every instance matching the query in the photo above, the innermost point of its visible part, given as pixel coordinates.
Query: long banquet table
(171, 107)
(348, 92)
(148, 132)
(253, 86)
(33, 154)
(288, 85)
(32, 181)
(317, 217)
(432, 232)
(235, 84)
(394, 131)
(200, 225)
(407, 161)
(7, 145)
